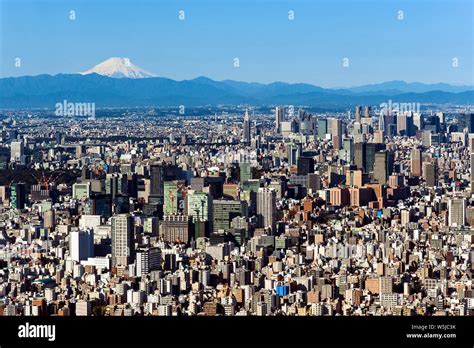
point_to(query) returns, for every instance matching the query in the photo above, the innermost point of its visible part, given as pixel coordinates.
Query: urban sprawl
(365, 212)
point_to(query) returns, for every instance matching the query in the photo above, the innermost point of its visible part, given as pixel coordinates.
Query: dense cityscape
(244, 212)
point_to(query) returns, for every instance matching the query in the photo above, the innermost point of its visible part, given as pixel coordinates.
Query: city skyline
(271, 40)
(271, 159)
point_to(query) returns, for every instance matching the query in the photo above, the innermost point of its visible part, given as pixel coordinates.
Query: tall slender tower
(266, 207)
(246, 135)
(279, 117)
(122, 240)
(415, 162)
(358, 112)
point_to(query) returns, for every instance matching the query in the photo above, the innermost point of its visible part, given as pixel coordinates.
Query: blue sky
(270, 47)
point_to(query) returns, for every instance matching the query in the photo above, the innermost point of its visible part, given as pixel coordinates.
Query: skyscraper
(322, 128)
(266, 207)
(16, 151)
(335, 129)
(199, 206)
(305, 165)
(279, 118)
(17, 196)
(245, 171)
(81, 244)
(358, 113)
(246, 133)
(383, 166)
(418, 121)
(348, 150)
(292, 153)
(225, 210)
(472, 172)
(174, 192)
(429, 174)
(354, 178)
(371, 150)
(457, 212)
(156, 183)
(122, 240)
(360, 155)
(467, 120)
(177, 228)
(415, 162)
(367, 111)
(147, 260)
(401, 124)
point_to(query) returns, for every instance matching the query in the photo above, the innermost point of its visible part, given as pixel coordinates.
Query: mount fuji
(119, 68)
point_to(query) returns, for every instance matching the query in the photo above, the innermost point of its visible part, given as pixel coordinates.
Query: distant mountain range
(136, 87)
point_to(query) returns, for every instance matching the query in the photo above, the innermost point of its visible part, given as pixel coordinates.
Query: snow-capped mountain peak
(119, 67)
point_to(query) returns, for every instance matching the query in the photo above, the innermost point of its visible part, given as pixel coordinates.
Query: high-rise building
(370, 150)
(4, 194)
(386, 285)
(418, 121)
(429, 174)
(279, 118)
(348, 150)
(156, 183)
(147, 260)
(456, 212)
(174, 193)
(382, 125)
(426, 138)
(293, 152)
(467, 120)
(49, 219)
(83, 308)
(383, 166)
(313, 182)
(322, 128)
(199, 206)
(335, 128)
(122, 240)
(378, 136)
(401, 123)
(354, 178)
(266, 208)
(410, 130)
(472, 172)
(116, 184)
(16, 151)
(358, 113)
(396, 180)
(305, 165)
(406, 216)
(339, 196)
(224, 211)
(177, 228)
(245, 171)
(415, 162)
(81, 244)
(246, 126)
(360, 155)
(367, 110)
(17, 196)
